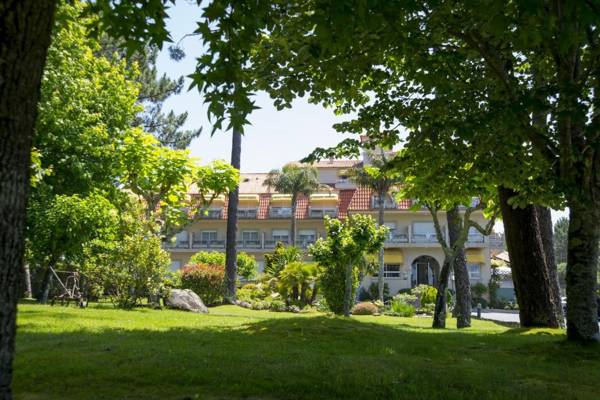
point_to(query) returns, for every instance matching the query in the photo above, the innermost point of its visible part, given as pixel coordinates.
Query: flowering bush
(207, 281)
(425, 293)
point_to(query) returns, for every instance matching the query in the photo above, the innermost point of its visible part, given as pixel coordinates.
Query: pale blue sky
(274, 138)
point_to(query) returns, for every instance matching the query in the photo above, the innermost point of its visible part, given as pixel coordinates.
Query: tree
(154, 90)
(25, 28)
(281, 256)
(246, 263)
(294, 180)
(561, 237)
(379, 177)
(339, 254)
(360, 55)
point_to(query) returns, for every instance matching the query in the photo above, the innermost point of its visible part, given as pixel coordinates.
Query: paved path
(512, 316)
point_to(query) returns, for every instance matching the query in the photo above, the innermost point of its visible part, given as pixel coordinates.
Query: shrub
(425, 293)
(428, 309)
(401, 309)
(365, 308)
(298, 283)
(322, 305)
(406, 298)
(479, 289)
(246, 264)
(277, 305)
(479, 300)
(372, 292)
(207, 281)
(281, 256)
(333, 281)
(129, 270)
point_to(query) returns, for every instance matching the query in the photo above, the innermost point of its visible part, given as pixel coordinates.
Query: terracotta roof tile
(302, 207)
(361, 199)
(344, 201)
(263, 206)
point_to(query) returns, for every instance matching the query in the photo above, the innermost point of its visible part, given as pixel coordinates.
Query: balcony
(180, 244)
(212, 213)
(321, 213)
(396, 237)
(270, 244)
(476, 238)
(280, 212)
(249, 244)
(208, 244)
(247, 213)
(304, 243)
(424, 238)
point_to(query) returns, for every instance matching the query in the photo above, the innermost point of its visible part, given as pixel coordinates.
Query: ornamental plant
(207, 281)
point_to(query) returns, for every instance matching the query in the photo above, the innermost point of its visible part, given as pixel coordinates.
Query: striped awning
(324, 198)
(246, 200)
(281, 200)
(390, 256)
(475, 256)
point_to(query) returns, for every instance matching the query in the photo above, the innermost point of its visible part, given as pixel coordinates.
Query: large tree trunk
(25, 27)
(534, 282)
(462, 308)
(439, 315)
(232, 206)
(380, 220)
(463, 290)
(27, 278)
(348, 290)
(582, 259)
(546, 230)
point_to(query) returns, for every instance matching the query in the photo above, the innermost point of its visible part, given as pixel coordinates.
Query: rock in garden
(243, 304)
(185, 299)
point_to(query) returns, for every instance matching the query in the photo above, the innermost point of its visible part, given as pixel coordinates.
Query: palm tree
(294, 180)
(380, 177)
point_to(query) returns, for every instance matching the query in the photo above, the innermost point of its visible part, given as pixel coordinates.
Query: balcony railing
(270, 244)
(424, 238)
(396, 237)
(303, 244)
(214, 213)
(248, 213)
(208, 244)
(276, 212)
(249, 244)
(321, 213)
(476, 238)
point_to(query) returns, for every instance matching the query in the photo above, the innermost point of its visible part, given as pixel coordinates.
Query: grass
(103, 353)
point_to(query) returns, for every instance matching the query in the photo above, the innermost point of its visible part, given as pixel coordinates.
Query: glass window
(423, 228)
(390, 271)
(281, 235)
(280, 212)
(175, 265)
(208, 236)
(307, 236)
(474, 271)
(250, 236)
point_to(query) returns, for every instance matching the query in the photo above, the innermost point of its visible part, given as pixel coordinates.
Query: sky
(273, 138)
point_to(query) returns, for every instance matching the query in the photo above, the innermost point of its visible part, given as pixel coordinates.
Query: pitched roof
(331, 163)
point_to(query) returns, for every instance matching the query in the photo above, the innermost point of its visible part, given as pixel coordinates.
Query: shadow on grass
(299, 358)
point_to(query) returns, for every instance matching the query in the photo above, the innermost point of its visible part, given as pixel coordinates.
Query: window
(387, 202)
(182, 239)
(306, 236)
(175, 265)
(213, 213)
(475, 236)
(322, 212)
(280, 212)
(251, 236)
(281, 235)
(424, 232)
(247, 213)
(391, 271)
(208, 236)
(474, 272)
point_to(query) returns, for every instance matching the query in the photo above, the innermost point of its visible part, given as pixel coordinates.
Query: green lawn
(103, 353)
